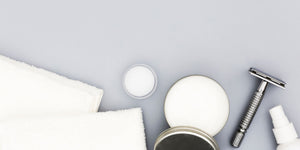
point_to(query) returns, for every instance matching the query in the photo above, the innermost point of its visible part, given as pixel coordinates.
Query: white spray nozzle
(284, 130)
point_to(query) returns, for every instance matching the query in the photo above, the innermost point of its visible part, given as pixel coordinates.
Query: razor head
(267, 78)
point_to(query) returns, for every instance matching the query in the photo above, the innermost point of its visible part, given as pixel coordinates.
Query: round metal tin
(182, 137)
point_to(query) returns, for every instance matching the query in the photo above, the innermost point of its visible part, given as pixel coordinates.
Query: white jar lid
(197, 101)
(140, 81)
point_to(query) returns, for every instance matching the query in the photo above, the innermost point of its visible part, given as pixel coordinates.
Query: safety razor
(254, 103)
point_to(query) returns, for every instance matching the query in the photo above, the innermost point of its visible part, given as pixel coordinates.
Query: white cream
(197, 101)
(140, 81)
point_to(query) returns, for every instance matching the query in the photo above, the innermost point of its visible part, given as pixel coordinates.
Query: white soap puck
(140, 81)
(197, 101)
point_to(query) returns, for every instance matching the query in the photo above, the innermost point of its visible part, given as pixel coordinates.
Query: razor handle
(249, 115)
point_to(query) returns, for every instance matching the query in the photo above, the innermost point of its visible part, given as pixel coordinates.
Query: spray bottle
(284, 131)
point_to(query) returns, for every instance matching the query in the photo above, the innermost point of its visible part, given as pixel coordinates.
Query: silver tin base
(184, 130)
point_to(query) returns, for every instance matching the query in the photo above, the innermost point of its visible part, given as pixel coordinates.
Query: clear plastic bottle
(284, 131)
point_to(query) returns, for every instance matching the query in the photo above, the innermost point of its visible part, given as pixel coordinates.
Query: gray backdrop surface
(94, 41)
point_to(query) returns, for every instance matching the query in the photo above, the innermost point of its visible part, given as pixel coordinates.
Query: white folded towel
(26, 90)
(120, 130)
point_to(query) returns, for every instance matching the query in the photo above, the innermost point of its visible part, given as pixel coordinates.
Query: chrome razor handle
(249, 115)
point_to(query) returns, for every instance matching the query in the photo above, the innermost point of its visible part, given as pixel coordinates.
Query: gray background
(94, 41)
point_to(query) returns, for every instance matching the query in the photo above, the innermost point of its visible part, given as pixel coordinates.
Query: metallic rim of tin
(187, 130)
(155, 82)
(191, 76)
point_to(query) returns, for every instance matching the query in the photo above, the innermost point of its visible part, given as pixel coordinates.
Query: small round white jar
(197, 101)
(140, 81)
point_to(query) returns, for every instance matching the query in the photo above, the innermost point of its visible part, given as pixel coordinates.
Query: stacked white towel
(27, 90)
(40, 110)
(121, 130)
